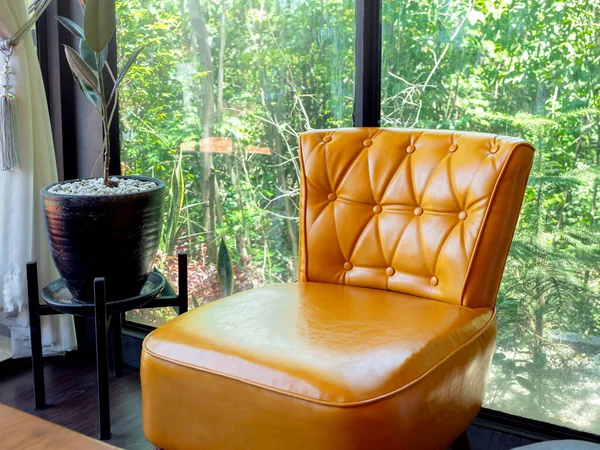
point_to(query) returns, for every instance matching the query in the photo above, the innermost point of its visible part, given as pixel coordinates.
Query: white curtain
(22, 233)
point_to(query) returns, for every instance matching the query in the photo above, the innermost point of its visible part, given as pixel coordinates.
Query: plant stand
(59, 301)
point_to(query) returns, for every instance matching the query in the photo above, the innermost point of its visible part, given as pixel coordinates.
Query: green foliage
(89, 56)
(125, 69)
(84, 49)
(71, 26)
(99, 23)
(545, 287)
(175, 203)
(271, 88)
(88, 65)
(82, 72)
(225, 269)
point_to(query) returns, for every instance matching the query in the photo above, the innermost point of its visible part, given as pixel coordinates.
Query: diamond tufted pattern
(420, 212)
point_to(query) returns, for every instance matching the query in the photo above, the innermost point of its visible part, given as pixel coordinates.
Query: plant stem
(105, 127)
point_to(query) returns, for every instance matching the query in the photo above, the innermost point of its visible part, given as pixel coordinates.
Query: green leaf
(91, 95)
(99, 23)
(81, 70)
(71, 26)
(89, 56)
(225, 269)
(126, 68)
(168, 291)
(174, 223)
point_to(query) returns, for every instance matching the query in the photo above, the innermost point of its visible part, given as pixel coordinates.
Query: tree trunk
(207, 108)
(276, 143)
(220, 75)
(241, 235)
(205, 59)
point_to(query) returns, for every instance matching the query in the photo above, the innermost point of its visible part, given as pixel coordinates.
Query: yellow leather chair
(385, 341)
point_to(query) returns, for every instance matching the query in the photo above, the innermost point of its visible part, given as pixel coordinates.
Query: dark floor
(71, 392)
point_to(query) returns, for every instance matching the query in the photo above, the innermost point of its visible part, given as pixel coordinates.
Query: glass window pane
(213, 107)
(527, 68)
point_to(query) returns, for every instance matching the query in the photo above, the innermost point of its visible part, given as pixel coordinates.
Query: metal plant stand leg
(37, 363)
(182, 295)
(60, 301)
(102, 358)
(118, 344)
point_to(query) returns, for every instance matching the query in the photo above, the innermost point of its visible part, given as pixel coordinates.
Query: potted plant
(111, 226)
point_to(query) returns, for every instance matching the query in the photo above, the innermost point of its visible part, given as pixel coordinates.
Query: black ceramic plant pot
(110, 236)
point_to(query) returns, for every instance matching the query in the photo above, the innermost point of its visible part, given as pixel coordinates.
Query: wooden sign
(189, 146)
(259, 150)
(216, 145)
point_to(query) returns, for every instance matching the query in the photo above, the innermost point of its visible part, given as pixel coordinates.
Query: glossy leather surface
(387, 339)
(186, 408)
(413, 201)
(333, 344)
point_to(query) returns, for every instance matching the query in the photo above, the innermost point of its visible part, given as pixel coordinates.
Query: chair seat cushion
(325, 343)
(316, 366)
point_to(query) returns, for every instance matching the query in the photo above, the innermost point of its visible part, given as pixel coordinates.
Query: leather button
(433, 281)
(410, 149)
(367, 142)
(453, 148)
(390, 271)
(376, 209)
(332, 197)
(462, 215)
(494, 148)
(327, 138)
(418, 211)
(348, 265)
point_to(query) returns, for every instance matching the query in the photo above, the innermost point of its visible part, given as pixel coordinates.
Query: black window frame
(67, 121)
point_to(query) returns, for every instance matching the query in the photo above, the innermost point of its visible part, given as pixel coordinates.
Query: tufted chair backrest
(423, 212)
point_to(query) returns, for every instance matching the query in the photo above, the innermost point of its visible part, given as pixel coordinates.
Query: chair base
(461, 442)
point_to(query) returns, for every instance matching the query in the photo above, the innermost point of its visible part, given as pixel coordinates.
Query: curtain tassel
(9, 156)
